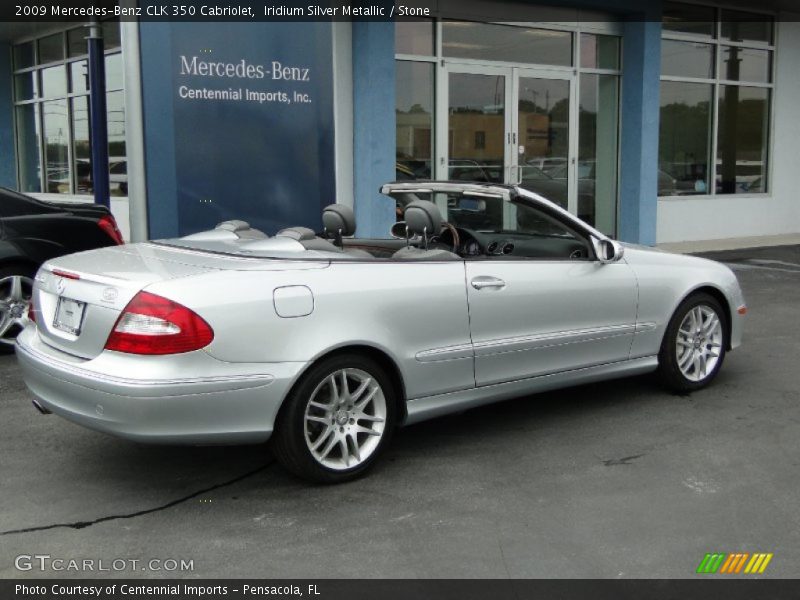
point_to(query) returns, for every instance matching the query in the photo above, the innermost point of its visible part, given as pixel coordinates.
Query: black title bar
(78, 11)
(734, 588)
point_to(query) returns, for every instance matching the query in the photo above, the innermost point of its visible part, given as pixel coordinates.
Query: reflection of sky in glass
(55, 121)
(543, 93)
(687, 59)
(691, 59)
(80, 127)
(506, 43)
(484, 93)
(740, 26)
(588, 93)
(79, 76)
(599, 51)
(691, 94)
(414, 37)
(116, 117)
(588, 50)
(54, 82)
(114, 71)
(753, 64)
(414, 86)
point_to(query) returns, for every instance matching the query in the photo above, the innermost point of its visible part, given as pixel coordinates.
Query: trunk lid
(79, 297)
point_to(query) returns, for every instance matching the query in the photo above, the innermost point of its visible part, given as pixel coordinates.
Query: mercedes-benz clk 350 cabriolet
(326, 342)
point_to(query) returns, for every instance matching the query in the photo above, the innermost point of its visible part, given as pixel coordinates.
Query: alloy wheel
(345, 419)
(15, 296)
(698, 343)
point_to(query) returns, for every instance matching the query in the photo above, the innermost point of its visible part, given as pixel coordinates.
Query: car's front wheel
(16, 284)
(337, 420)
(694, 344)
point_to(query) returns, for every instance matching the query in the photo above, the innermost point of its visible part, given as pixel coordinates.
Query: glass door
(544, 151)
(478, 123)
(510, 125)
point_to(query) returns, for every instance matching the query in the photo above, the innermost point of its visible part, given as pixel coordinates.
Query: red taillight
(66, 274)
(151, 324)
(109, 225)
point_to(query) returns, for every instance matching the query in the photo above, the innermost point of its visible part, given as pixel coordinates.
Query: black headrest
(338, 219)
(423, 218)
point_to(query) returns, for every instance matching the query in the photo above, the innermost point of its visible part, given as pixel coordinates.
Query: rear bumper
(191, 398)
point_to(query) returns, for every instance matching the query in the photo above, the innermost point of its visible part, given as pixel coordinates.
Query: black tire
(289, 443)
(669, 370)
(7, 339)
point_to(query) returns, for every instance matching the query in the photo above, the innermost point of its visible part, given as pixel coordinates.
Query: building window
(51, 97)
(487, 41)
(414, 98)
(716, 98)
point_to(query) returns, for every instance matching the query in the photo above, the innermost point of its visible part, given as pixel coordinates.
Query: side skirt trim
(429, 407)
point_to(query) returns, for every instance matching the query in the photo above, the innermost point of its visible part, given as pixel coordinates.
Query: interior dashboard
(474, 244)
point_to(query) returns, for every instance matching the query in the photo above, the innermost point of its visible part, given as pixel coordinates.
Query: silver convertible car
(324, 343)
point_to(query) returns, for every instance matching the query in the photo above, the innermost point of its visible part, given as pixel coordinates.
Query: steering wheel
(454, 234)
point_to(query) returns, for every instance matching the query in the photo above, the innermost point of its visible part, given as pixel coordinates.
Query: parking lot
(619, 479)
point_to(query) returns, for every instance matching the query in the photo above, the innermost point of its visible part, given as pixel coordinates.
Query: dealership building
(656, 122)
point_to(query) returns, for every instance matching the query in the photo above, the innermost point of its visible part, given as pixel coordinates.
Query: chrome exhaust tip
(40, 408)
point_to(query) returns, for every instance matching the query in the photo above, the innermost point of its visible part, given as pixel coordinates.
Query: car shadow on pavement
(134, 480)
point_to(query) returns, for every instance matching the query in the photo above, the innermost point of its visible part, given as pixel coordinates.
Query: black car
(31, 232)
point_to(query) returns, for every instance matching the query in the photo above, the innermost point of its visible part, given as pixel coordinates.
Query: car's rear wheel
(16, 285)
(694, 344)
(337, 420)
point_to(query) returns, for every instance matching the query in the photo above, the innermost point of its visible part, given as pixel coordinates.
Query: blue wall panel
(8, 170)
(232, 134)
(373, 125)
(639, 141)
(159, 132)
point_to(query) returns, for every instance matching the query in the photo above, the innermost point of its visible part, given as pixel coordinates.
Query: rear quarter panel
(401, 309)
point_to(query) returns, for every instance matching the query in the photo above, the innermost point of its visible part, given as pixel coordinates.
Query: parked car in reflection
(464, 169)
(691, 178)
(555, 189)
(587, 172)
(323, 343)
(118, 176)
(460, 169)
(32, 232)
(547, 164)
(756, 186)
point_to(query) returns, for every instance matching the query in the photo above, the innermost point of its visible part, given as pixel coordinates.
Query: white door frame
(442, 108)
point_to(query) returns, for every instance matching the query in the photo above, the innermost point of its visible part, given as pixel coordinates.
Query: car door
(532, 316)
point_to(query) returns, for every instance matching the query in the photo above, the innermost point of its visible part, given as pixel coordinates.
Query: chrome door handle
(480, 283)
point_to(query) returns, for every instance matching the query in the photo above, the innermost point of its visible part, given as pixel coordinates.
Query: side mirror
(398, 230)
(608, 251)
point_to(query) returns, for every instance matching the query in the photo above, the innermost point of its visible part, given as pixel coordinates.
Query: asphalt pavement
(619, 479)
